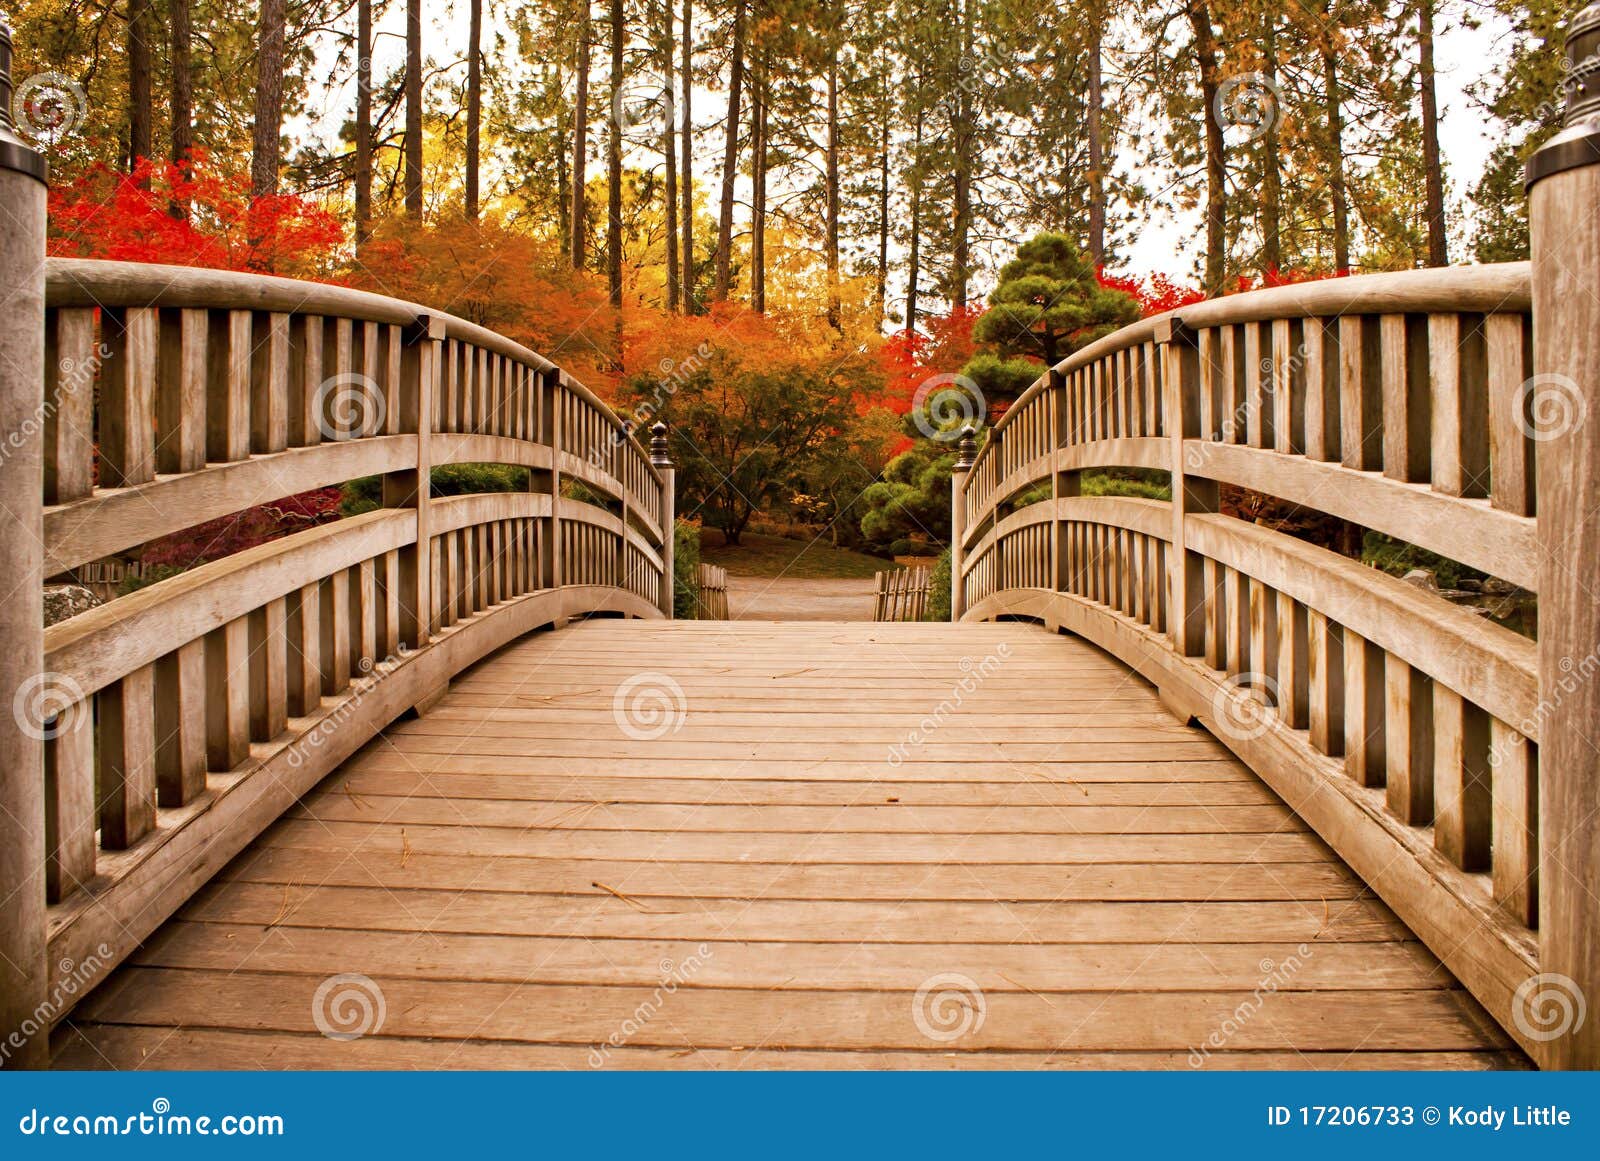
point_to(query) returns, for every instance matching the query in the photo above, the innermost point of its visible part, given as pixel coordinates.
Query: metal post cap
(967, 449)
(659, 455)
(1578, 143)
(15, 153)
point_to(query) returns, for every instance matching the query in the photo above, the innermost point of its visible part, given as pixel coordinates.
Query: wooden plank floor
(632, 844)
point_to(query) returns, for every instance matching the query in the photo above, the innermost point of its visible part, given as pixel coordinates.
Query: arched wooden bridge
(443, 785)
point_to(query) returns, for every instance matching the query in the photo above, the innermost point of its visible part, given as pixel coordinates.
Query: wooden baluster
(1407, 404)
(181, 391)
(1365, 694)
(338, 365)
(1514, 790)
(306, 334)
(227, 695)
(368, 359)
(396, 404)
(1294, 666)
(269, 665)
(1214, 609)
(70, 364)
(1288, 386)
(1408, 746)
(389, 638)
(1236, 627)
(1320, 339)
(228, 356)
(1325, 685)
(127, 752)
(127, 397)
(303, 628)
(1360, 393)
(1264, 641)
(1509, 357)
(1458, 376)
(334, 648)
(69, 801)
(181, 724)
(269, 384)
(1461, 784)
(1260, 384)
(363, 619)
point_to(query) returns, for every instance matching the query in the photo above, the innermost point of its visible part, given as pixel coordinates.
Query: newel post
(661, 458)
(24, 1042)
(960, 472)
(1563, 410)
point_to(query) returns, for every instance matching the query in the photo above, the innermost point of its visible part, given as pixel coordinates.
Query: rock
(1496, 587)
(1468, 585)
(64, 601)
(1422, 578)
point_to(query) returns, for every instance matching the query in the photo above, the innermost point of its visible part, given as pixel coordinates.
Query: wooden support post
(421, 361)
(1564, 188)
(24, 1042)
(661, 457)
(1180, 350)
(966, 454)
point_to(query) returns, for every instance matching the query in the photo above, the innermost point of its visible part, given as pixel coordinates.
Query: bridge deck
(1068, 876)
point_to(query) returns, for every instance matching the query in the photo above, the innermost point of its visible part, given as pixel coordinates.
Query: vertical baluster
(1325, 686)
(1237, 625)
(1294, 667)
(127, 755)
(1458, 377)
(339, 364)
(1509, 356)
(303, 630)
(396, 403)
(334, 648)
(1264, 640)
(70, 364)
(1320, 340)
(1407, 404)
(1515, 823)
(389, 637)
(1260, 384)
(1363, 709)
(127, 397)
(1462, 799)
(269, 665)
(180, 679)
(181, 392)
(227, 695)
(1215, 608)
(269, 384)
(306, 334)
(228, 356)
(1408, 723)
(69, 802)
(1360, 393)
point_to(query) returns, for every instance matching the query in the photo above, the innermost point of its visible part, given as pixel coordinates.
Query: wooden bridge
(442, 784)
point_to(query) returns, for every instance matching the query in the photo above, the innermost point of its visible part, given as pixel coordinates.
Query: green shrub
(939, 590)
(153, 574)
(686, 571)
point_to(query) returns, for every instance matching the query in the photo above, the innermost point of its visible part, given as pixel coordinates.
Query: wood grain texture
(729, 825)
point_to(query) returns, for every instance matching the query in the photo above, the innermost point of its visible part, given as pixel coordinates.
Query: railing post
(661, 457)
(1563, 406)
(421, 365)
(24, 1037)
(960, 472)
(1185, 573)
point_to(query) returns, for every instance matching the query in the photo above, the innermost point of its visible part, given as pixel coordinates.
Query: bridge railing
(170, 726)
(1404, 728)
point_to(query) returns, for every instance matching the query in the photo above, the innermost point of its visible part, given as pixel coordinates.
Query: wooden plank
(69, 366)
(228, 695)
(228, 359)
(1461, 789)
(69, 803)
(181, 392)
(127, 397)
(1515, 823)
(127, 760)
(181, 724)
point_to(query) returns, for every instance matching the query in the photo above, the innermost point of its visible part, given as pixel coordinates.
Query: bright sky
(1165, 242)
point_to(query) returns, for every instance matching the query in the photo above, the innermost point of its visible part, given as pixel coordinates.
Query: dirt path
(760, 598)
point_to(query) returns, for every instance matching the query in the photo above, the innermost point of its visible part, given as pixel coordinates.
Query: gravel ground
(756, 598)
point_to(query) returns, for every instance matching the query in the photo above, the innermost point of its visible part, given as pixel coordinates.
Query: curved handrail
(180, 720)
(1402, 727)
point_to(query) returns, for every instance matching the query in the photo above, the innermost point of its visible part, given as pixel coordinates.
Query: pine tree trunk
(614, 159)
(1272, 170)
(730, 161)
(833, 189)
(413, 183)
(1335, 159)
(1097, 150)
(269, 101)
(363, 121)
(914, 258)
(686, 176)
(964, 135)
(669, 153)
(139, 82)
(474, 104)
(182, 92)
(758, 176)
(580, 140)
(1433, 166)
(882, 290)
(1205, 45)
